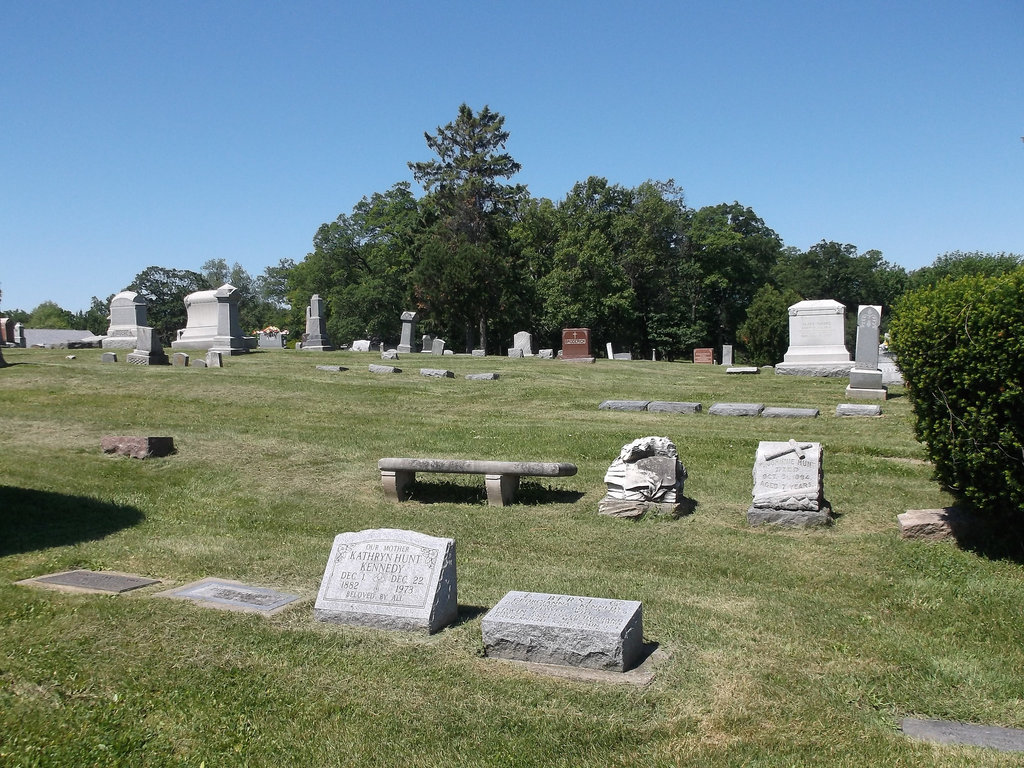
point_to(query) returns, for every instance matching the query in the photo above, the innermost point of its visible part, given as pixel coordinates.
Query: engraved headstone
(667, 406)
(93, 581)
(576, 345)
(727, 354)
(389, 579)
(524, 341)
(148, 350)
(817, 330)
(360, 345)
(515, 352)
(437, 346)
(866, 376)
(214, 359)
(19, 335)
(788, 485)
(704, 356)
(179, 359)
(232, 595)
(427, 344)
(316, 326)
(213, 322)
(127, 315)
(270, 340)
(736, 409)
(590, 632)
(408, 332)
(384, 369)
(109, 357)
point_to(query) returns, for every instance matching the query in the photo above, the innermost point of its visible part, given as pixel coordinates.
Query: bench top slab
(475, 467)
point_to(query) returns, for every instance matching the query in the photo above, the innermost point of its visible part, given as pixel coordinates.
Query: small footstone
(624, 405)
(197, 364)
(232, 596)
(108, 357)
(138, 447)
(384, 369)
(590, 632)
(743, 370)
(179, 359)
(437, 373)
(479, 353)
(951, 732)
(666, 406)
(789, 413)
(736, 409)
(932, 524)
(331, 368)
(481, 376)
(855, 409)
(93, 581)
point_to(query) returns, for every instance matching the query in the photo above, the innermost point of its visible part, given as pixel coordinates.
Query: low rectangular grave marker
(232, 596)
(591, 632)
(704, 356)
(389, 579)
(93, 581)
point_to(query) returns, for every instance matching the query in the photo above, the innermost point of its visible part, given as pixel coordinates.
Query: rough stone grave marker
(646, 477)
(788, 485)
(590, 632)
(232, 596)
(389, 579)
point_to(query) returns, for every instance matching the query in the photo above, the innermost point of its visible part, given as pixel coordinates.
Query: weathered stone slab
(111, 357)
(214, 359)
(790, 413)
(138, 447)
(179, 359)
(437, 373)
(622, 356)
(857, 409)
(743, 370)
(197, 364)
(590, 632)
(932, 524)
(361, 345)
(482, 376)
(666, 406)
(389, 579)
(232, 596)
(384, 369)
(479, 353)
(788, 485)
(437, 346)
(332, 368)
(624, 405)
(736, 409)
(546, 354)
(951, 732)
(515, 352)
(92, 581)
(389, 354)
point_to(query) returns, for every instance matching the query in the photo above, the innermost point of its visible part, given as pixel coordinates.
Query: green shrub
(960, 345)
(765, 333)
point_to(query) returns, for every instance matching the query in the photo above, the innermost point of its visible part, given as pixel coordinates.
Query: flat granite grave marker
(331, 368)
(624, 405)
(788, 485)
(857, 409)
(590, 632)
(437, 373)
(736, 409)
(110, 357)
(232, 596)
(389, 579)
(952, 732)
(179, 360)
(789, 413)
(482, 376)
(384, 369)
(668, 406)
(743, 370)
(92, 581)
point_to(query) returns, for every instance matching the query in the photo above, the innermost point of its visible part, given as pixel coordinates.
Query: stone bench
(501, 477)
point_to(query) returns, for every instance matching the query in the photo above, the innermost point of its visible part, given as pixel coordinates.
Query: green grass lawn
(781, 648)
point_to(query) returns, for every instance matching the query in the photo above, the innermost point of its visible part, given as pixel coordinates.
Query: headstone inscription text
(232, 595)
(704, 356)
(576, 343)
(788, 485)
(390, 579)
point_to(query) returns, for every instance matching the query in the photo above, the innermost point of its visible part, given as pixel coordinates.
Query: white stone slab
(389, 579)
(591, 632)
(736, 409)
(855, 409)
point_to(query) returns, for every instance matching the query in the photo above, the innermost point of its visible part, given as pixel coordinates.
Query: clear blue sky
(138, 133)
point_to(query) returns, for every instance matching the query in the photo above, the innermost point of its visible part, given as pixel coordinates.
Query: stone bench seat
(500, 477)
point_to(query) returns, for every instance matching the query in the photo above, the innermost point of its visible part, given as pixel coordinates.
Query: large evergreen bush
(960, 345)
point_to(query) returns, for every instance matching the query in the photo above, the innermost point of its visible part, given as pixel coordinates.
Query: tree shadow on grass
(996, 537)
(31, 519)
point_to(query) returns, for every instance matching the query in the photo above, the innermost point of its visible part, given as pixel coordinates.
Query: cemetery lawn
(775, 648)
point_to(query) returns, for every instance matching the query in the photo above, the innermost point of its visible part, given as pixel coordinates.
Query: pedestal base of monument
(836, 370)
(634, 510)
(789, 518)
(577, 359)
(866, 385)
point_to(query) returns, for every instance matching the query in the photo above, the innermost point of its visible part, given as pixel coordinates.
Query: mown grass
(783, 648)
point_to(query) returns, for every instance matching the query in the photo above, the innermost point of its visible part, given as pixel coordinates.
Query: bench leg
(501, 489)
(396, 483)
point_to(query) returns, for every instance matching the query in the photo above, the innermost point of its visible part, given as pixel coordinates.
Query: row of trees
(479, 258)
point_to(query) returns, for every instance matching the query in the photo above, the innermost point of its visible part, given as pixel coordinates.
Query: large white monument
(817, 347)
(127, 315)
(213, 322)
